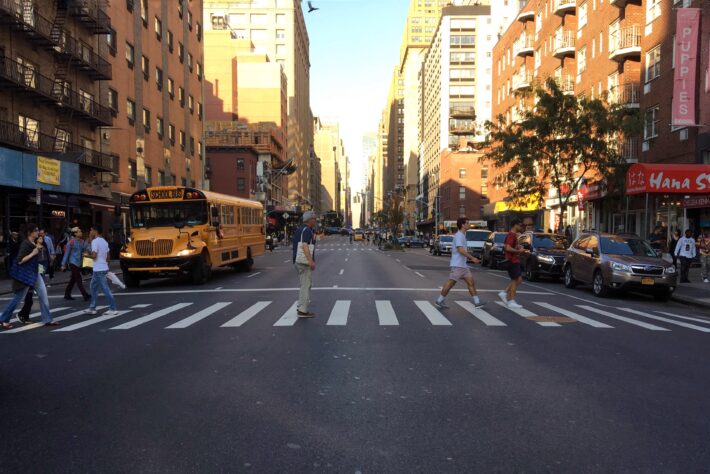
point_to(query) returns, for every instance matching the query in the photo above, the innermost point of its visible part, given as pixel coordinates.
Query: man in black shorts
(512, 255)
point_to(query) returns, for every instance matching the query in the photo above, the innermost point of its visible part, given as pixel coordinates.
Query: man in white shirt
(685, 249)
(100, 254)
(459, 268)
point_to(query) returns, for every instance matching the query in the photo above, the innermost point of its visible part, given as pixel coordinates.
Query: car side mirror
(589, 251)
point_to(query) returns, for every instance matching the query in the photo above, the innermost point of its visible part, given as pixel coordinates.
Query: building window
(582, 15)
(171, 87)
(146, 119)
(180, 8)
(130, 111)
(190, 103)
(463, 40)
(199, 111)
(462, 193)
(145, 67)
(170, 41)
(462, 211)
(280, 49)
(159, 78)
(653, 10)
(280, 34)
(199, 71)
(129, 5)
(148, 176)
(484, 181)
(30, 130)
(189, 20)
(241, 184)
(189, 61)
(130, 55)
(653, 63)
(132, 172)
(158, 29)
(181, 96)
(159, 124)
(111, 42)
(192, 146)
(183, 182)
(462, 173)
(258, 19)
(198, 31)
(458, 73)
(182, 140)
(113, 100)
(462, 57)
(181, 52)
(171, 133)
(280, 19)
(161, 178)
(650, 128)
(240, 164)
(144, 13)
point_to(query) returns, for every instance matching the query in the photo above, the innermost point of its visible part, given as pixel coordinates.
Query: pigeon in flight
(311, 8)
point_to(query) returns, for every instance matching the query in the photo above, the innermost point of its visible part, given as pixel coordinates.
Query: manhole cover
(552, 319)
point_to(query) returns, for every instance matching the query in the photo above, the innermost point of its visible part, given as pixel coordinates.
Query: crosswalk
(386, 313)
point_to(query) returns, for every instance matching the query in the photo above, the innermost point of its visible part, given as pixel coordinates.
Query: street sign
(285, 215)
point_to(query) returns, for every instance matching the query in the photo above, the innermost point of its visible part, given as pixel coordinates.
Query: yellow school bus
(177, 230)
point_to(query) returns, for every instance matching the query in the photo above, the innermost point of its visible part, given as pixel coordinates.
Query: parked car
(442, 245)
(416, 242)
(403, 241)
(332, 230)
(475, 239)
(546, 255)
(618, 262)
(493, 249)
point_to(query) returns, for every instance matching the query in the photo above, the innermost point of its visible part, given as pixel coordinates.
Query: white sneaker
(111, 312)
(514, 305)
(503, 296)
(90, 311)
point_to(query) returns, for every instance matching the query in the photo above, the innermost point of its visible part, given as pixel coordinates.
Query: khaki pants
(705, 265)
(306, 281)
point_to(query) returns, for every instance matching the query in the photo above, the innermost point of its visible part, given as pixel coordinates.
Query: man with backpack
(73, 256)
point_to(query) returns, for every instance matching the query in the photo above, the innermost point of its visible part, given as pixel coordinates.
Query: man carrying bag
(304, 246)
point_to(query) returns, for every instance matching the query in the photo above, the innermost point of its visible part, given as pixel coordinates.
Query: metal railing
(565, 4)
(624, 39)
(31, 140)
(523, 45)
(629, 148)
(90, 12)
(462, 111)
(522, 81)
(59, 93)
(564, 40)
(565, 83)
(625, 94)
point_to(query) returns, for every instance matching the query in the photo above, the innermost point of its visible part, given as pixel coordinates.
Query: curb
(690, 301)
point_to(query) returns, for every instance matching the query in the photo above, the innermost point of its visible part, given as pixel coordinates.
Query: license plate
(648, 281)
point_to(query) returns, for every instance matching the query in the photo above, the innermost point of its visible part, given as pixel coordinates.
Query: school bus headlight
(126, 255)
(185, 252)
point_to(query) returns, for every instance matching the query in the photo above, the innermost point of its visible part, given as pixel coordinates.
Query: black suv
(546, 257)
(493, 250)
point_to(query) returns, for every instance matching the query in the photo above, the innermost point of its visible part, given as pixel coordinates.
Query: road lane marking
(339, 313)
(397, 259)
(666, 320)
(90, 322)
(290, 317)
(480, 314)
(635, 322)
(254, 274)
(342, 270)
(385, 313)
(246, 315)
(407, 268)
(59, 319)
(136, 306)
(319, 288)
(432, 314)
(286, 261)
(346, 259)
(578, 317)
(697, 320)
(529, 314)
(152, 316)
(200, 315)
(419, 274)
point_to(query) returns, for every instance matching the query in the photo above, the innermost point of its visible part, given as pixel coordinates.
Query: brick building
(462, 188)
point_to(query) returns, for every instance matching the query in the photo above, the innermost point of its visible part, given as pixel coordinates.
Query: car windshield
(499, 238)
(477, 235)
(625, 246)
(549, 241)
(167, 214)
(446, 238)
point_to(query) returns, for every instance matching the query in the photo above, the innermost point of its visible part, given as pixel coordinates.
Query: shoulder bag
(24, 273)
(300, 254)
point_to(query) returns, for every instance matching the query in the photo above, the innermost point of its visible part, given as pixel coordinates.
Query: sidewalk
(696, 292)
(60, 279)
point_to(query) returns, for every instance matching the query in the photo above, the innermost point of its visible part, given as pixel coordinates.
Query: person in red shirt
(512, 255)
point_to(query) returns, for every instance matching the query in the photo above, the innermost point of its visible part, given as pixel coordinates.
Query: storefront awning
(529, 205)
(655, 178)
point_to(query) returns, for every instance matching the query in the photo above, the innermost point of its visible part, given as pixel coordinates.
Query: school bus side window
(227, 215)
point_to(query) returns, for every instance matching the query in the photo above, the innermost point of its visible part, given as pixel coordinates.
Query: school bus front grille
(159, 248)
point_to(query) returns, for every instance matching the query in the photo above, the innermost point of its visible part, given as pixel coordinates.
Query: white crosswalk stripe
(635, 322)
(199, 316)
(91, 322)
(290, 317)
(339, 314)
(59, 319)
(246, 315)
(34, 315)
(687, 318)
(480, 314)
(138, 306)
(529, 314)
(150, 317)
(573, 315)
(666, 320)
(432, 314)
(386, 314)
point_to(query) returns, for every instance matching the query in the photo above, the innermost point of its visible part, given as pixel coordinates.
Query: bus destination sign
(165, 194)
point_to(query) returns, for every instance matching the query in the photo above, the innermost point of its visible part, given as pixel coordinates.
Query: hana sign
(686, 61)
(48, 170)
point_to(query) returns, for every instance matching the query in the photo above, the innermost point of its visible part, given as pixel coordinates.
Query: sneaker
(90, 311)
(440, 305)
(512, 304)
(503, 296)
(111, 312)
(307, 314)
(480, 304)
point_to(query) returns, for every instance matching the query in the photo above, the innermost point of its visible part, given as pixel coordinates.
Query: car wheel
(529, 274)
(598, 287)
(200, 271)
(570, 282)
(663, 295)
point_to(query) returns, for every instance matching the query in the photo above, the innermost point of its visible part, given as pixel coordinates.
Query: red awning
(667, 179)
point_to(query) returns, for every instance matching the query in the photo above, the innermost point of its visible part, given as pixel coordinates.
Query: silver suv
(618, 262)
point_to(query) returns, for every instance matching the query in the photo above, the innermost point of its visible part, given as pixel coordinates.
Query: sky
(354, 47)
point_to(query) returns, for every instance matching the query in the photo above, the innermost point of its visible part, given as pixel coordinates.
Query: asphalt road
(222, 378)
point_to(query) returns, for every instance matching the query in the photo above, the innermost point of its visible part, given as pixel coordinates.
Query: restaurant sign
(666, 178)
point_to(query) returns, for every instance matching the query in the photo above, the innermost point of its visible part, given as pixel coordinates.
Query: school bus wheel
(200, 270)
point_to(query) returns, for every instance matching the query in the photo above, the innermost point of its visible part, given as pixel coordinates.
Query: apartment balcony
(40, 31)
(522, 82)
(630, 149)
(91, 15)
(564, 44)
(626, 95)
(566, 84)
(562, 7)
(526, 16)
(462, 127)
(524, 46)
(625, 43)
(623, 3)
(13, 136)
(23, 80)
(462, 111)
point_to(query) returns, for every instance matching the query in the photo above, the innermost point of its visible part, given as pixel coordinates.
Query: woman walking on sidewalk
(25, 274)
(72, 259)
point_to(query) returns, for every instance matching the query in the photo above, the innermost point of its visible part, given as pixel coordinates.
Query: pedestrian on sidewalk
(512, 255)
(43, 261)
(25, 274)
(704, 249)
(685, 249)
(100, 254)
(675, 237)
(304, 248)
(459, 268)
(72, 259)
(13, 246)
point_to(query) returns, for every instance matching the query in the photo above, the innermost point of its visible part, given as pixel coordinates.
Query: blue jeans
(98, 280)
(41, 291)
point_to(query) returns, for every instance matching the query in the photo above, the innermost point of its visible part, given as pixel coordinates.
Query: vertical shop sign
(686, 61)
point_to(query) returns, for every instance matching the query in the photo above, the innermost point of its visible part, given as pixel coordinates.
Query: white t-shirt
(100, 246)
(458, 260)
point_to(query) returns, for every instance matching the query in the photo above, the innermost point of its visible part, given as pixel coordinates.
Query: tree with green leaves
(558, 143)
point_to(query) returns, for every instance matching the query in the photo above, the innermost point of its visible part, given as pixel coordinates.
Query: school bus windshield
(167, 214)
